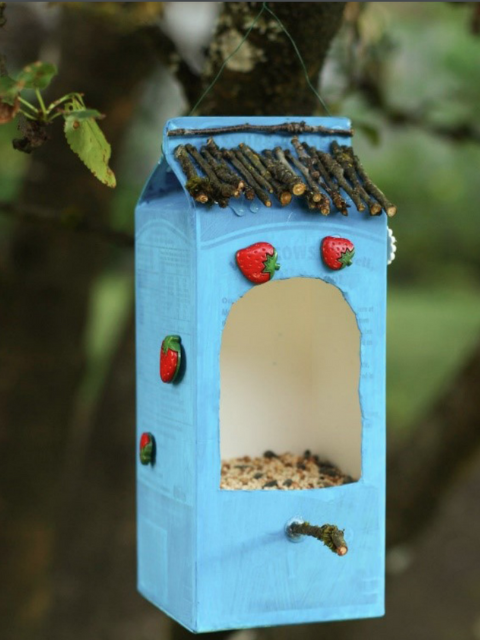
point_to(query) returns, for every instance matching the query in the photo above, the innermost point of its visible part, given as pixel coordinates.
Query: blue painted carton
(296, 363)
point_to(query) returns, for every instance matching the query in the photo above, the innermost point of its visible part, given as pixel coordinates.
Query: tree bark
(265, 77)
(45, 287)
(427, 465)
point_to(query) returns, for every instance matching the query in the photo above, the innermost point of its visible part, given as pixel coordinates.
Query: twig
(223, 172)
(198, 187)
(249, 179)
(67, 220)
(298, 187)
(314, 195)
(241, 157)
(390, 208)
(215, 151)
(286, 127)
(284, 196)
(329, 534)
(344, 158)
(329, 185)
(305, 158)
(221, 190)
(336, 171)
(282, 174)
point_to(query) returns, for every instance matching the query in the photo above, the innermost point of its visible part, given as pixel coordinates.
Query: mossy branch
(329, 534)
(292, 128)
(198, 187)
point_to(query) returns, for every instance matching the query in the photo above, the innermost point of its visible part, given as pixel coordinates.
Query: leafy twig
(83, 134)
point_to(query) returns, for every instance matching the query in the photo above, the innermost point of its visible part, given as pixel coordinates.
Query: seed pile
(286, 472)
(320, 179)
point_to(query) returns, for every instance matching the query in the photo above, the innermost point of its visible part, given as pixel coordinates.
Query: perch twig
(286, 127)
(329, 534)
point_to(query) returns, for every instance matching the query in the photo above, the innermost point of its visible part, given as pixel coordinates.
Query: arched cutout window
(289, 379)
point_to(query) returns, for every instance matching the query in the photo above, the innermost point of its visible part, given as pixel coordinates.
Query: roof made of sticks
(325, 180)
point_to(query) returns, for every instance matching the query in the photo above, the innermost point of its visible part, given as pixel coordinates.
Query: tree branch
(70, 219)
(423, 469)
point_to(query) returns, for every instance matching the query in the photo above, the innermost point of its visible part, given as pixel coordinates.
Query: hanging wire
(220, 71)
(299, 56)
(265, 7)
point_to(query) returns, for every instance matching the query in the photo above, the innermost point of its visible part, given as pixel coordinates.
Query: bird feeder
(261, 255)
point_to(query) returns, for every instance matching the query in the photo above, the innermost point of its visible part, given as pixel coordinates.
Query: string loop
(265, 7)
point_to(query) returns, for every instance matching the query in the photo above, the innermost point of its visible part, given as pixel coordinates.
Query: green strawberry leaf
(172, 343)
(271, 264)
(86, 139)
(146, 454)
(36, 76)
(346, 258)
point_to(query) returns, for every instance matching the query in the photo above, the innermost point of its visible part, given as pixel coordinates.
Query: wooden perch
(198, 187)
(345, 159)
(329, 534)
(292, 128)
(369, 186)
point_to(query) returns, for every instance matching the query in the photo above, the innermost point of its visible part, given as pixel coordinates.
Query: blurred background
(408, 76)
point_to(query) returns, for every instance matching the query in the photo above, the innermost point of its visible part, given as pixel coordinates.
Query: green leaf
(83, 114)
(36, 76)
(86, 139)
(8, 90)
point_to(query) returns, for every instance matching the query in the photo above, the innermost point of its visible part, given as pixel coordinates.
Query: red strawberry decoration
(170, 358)
(146, 448)
(337, 253)
(258, 262)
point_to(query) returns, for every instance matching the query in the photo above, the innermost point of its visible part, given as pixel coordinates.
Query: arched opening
(289, 377)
